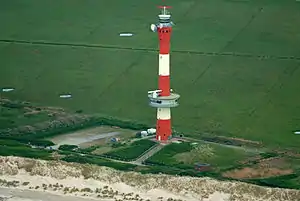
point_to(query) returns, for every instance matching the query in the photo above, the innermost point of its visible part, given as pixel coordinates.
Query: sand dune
(28, 179)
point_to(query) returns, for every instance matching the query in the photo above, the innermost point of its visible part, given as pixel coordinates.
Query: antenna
(164, 9)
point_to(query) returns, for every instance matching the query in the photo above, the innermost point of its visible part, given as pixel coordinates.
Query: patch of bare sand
(105, 183)
(269, 167)
(91, 136)
(248, 172)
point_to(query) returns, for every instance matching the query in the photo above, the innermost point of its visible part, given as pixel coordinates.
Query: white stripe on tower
(164, 64)
(163, 113)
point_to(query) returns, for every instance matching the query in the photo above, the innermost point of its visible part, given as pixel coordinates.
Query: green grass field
(224, 85)
(177, 155)
(133, 151)
(13, 117)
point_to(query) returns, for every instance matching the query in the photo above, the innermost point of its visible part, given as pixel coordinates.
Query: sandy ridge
(105, 182)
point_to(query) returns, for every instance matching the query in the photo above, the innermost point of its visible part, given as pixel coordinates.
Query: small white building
(151, 131)
(144, 133)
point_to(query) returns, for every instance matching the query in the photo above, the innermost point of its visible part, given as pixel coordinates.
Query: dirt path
(148, 154)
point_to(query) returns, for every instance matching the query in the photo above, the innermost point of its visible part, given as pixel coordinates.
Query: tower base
(163, 124)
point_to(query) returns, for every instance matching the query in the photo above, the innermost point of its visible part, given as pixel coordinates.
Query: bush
(44, 143)
(268, 155)
(133, 151)
(67, 147)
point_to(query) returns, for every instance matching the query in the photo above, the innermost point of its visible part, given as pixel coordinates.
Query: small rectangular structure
(202, 167)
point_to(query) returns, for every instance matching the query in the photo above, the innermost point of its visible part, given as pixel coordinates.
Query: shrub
(268, 155)
(25, 183)
(67, 147)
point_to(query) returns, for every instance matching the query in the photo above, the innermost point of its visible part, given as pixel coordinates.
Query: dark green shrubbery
(26, 140)
(286, 181)
(268, 155)
(24, 151)
(99, 161)
(66, 147)
(12, 143)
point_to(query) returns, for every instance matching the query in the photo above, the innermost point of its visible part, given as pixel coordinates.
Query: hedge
(100, 162)
(67, 147)
(24, 151)
(285, 181)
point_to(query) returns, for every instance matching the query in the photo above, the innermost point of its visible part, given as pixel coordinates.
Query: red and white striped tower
(163, 99)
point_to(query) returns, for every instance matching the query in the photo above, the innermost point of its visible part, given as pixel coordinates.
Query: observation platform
(163, 101)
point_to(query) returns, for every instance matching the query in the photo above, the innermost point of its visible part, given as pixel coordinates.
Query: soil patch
(274, 162)
(269, 167)
(251, 173)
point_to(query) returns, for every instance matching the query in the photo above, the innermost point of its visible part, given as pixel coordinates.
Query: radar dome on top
(153, 27)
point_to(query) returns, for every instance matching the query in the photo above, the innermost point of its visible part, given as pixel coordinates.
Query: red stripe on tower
(163, 129)
(164, 85)
(163, 124)
(164, 35)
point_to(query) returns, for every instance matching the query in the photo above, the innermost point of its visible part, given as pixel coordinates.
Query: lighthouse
(163, 98)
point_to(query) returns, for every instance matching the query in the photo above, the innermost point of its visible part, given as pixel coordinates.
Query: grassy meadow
(225, 85)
